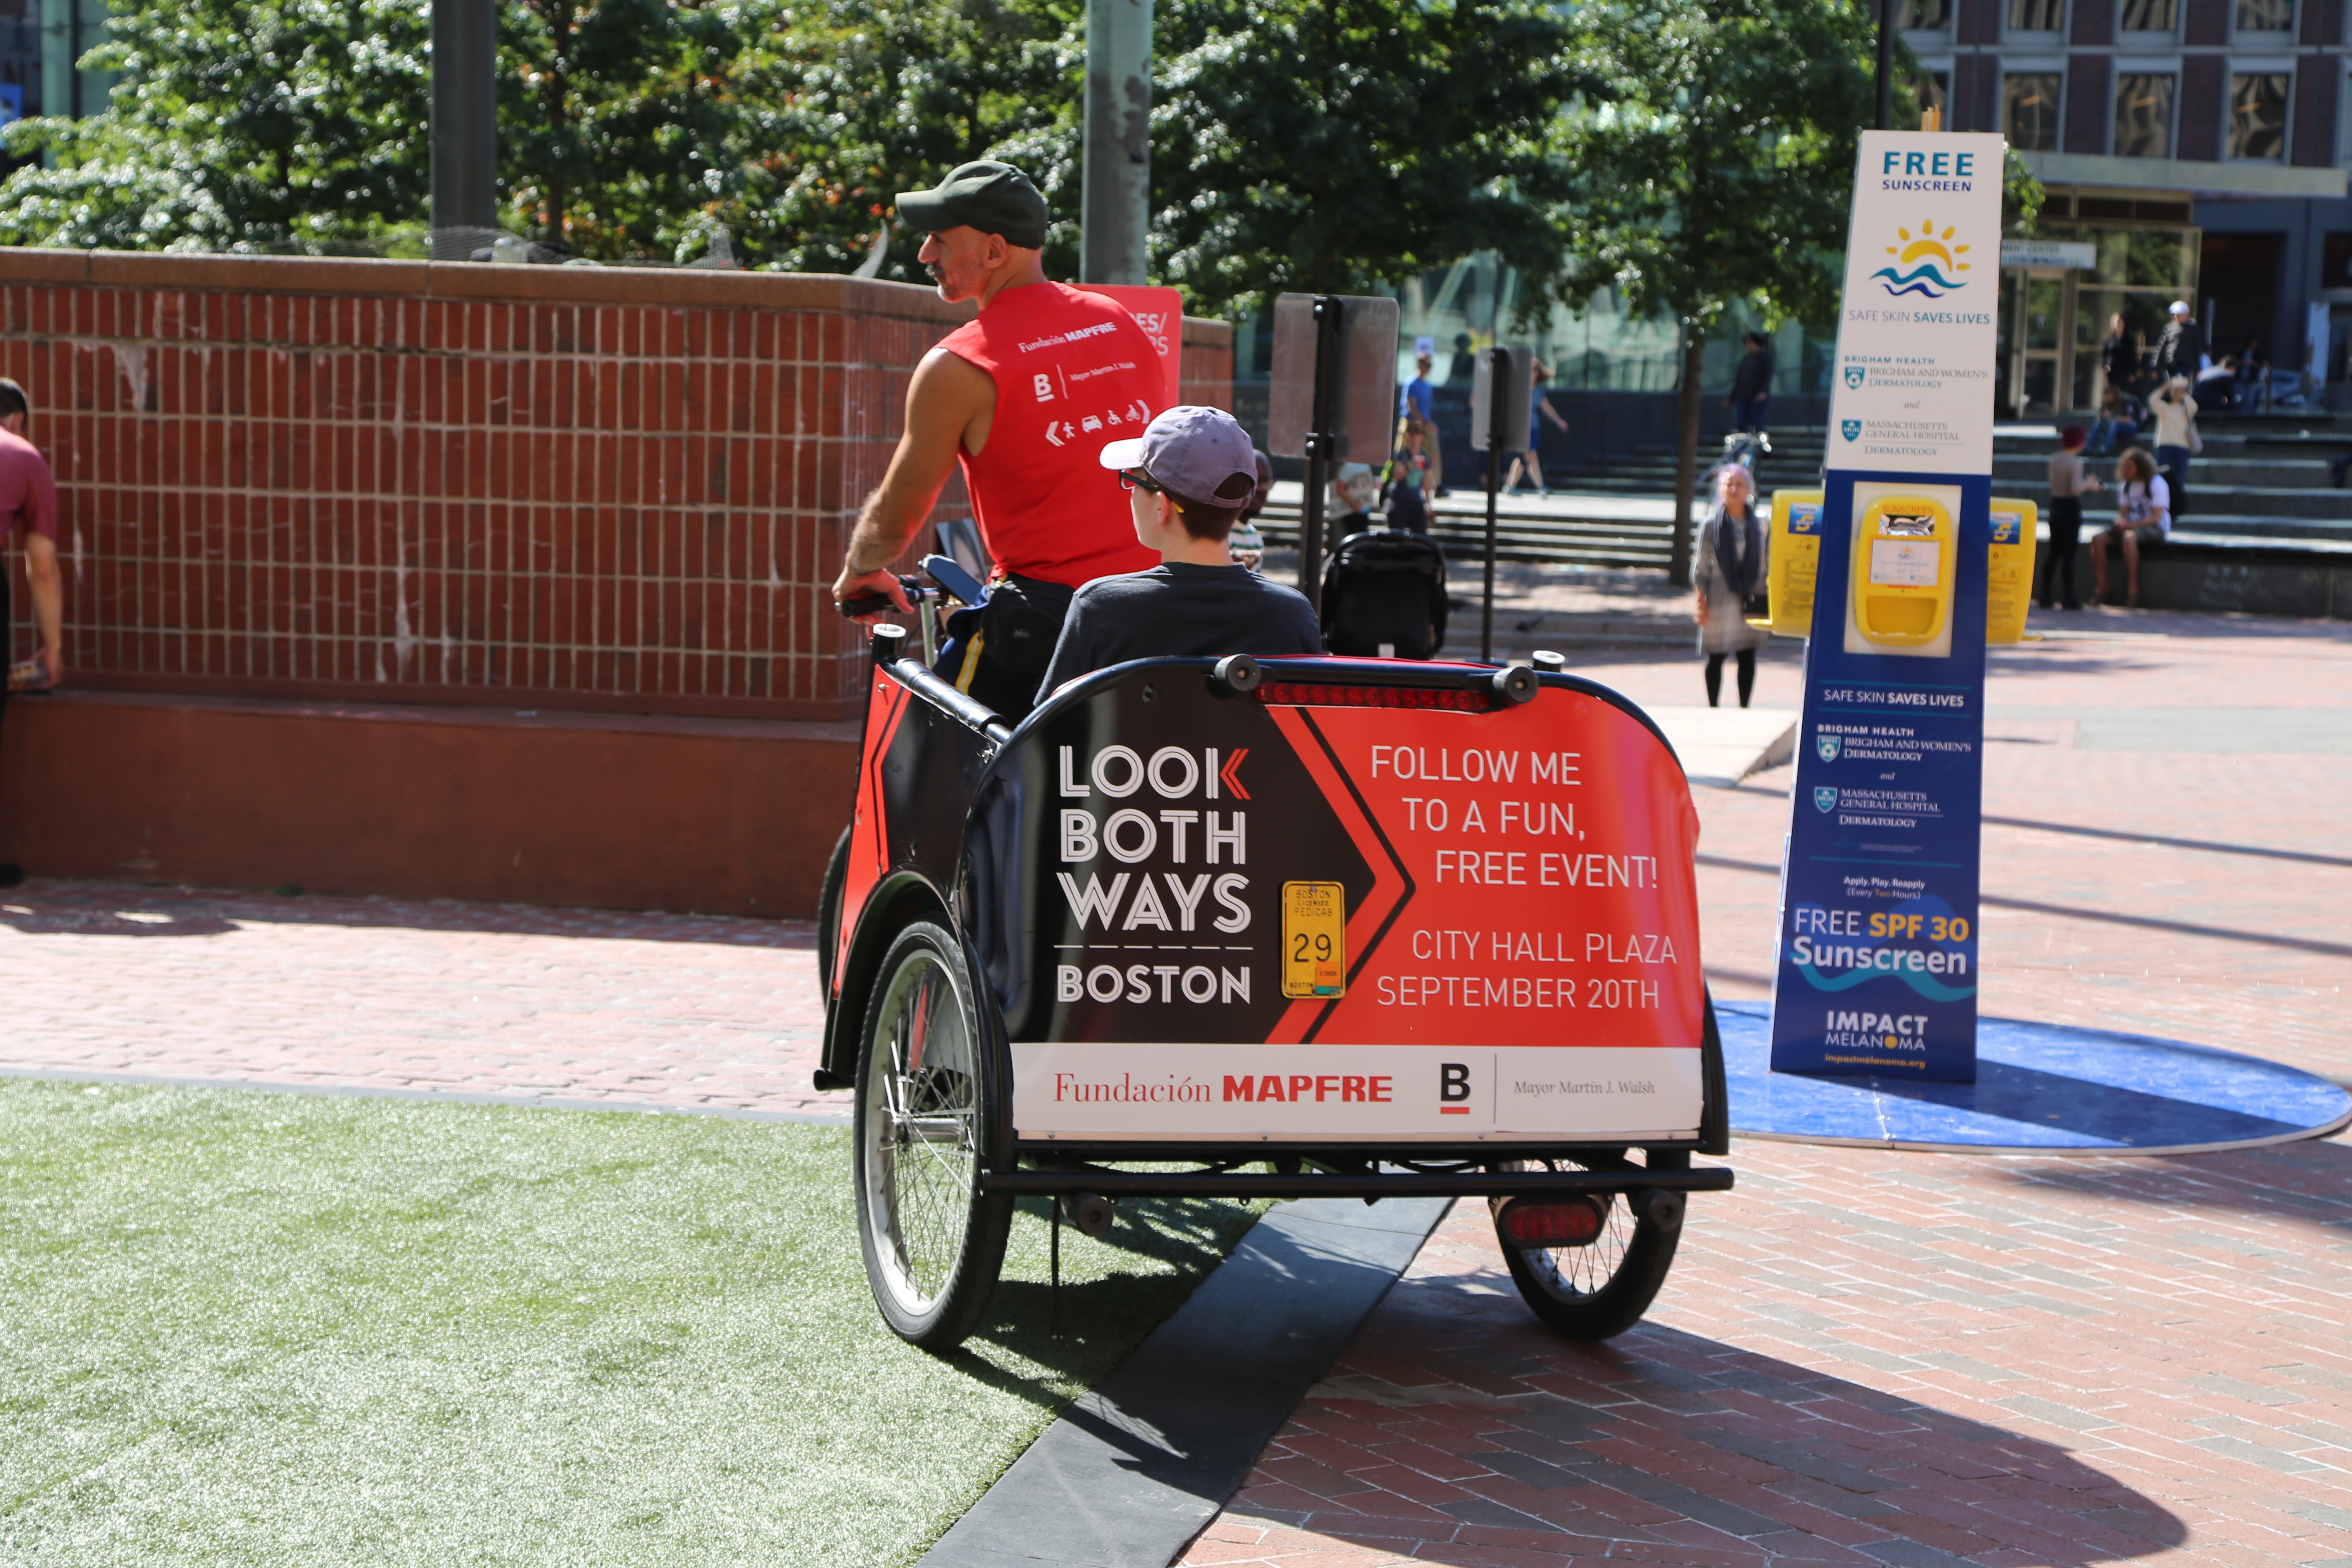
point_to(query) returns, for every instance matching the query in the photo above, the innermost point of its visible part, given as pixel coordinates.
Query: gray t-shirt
(1176, 610)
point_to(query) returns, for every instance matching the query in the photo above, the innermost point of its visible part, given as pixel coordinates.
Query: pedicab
(1270, 929)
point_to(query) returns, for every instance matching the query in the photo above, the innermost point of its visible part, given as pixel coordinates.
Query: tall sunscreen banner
(1878, 937)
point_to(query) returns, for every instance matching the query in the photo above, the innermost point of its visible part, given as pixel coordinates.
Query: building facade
(2193, 148)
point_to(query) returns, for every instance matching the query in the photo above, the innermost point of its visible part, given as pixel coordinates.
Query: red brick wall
(613, 488)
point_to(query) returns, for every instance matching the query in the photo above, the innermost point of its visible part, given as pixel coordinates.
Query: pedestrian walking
(2119, 355)
(1729, 568)
(1751, 384)
(2069, 483)
(1007, 397)
(1245, 543)
(2181, 350)
(28, 515)
(1419, 401)
(2175, 438)
(1404, 489)
(1540, 409)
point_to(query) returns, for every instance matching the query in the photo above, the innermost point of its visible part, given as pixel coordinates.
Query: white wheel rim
(921, 1133)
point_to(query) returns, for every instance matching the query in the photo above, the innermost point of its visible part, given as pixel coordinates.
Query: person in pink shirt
(29, 510)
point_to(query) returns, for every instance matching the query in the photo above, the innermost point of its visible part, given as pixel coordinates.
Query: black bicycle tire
(956, 1311)
(828, 909)
(1620, 1301)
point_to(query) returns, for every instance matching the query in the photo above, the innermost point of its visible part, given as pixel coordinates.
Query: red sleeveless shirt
(1073, 373)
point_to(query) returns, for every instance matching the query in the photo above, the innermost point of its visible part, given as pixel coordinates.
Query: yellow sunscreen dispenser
(1793, 560)
(1903, 554)
(2009, 580)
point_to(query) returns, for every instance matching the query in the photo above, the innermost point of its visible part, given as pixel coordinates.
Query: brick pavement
(1921, 1361)
(1864, 1357)
(542, 1006)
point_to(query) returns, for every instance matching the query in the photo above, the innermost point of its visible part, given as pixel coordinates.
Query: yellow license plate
(1314, 940)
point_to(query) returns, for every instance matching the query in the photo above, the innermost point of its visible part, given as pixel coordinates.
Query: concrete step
(2219, 528)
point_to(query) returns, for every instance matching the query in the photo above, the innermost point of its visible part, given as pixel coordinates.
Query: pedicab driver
(1024, 397)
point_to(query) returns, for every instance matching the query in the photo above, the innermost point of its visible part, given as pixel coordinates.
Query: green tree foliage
(247, 124)
(1329, 144)
(236, 125)
(1296, 143)
(856, 100)
(616, 119)
(1715, 144)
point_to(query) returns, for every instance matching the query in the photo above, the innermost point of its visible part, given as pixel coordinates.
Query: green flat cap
(992, 197)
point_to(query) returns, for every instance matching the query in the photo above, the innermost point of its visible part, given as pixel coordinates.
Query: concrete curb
(1135, 1469)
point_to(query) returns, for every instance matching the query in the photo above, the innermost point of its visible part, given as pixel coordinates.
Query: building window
(2335, 261)
(1921, 15)
(2144, 116)
(2149, 15)
(2265, 15)
(2258, 115)
(2030, 112)
(2036, 16)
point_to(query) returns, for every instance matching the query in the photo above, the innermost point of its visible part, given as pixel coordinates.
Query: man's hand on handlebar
(871, 596)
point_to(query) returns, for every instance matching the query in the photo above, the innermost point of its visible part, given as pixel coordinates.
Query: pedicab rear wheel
(1598, 1291)
(927, 1096)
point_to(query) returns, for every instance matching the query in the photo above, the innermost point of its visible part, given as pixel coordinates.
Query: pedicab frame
(950, 913)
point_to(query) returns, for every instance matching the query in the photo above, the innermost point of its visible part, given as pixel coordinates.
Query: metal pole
(1115, 201)
(465, 127)
(1498, 366)
(1886, 65)
(1328, 324)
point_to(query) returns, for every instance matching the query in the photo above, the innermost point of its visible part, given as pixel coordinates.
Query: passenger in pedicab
(1188, 476)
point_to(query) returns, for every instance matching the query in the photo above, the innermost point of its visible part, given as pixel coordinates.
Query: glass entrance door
(2037, 307)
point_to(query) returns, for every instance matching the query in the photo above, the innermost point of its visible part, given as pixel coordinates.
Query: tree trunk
(1678, 571)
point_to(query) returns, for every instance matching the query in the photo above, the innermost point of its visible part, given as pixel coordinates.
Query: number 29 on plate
(1314, 940)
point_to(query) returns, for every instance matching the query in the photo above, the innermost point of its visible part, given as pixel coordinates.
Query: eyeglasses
(1137, 479)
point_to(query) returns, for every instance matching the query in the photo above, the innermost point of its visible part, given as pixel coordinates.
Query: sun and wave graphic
(1929, 249)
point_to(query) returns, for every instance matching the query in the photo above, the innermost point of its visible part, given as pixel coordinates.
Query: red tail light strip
(1297, 694)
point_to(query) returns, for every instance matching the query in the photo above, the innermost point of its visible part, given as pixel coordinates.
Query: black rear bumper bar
(1371, 1184)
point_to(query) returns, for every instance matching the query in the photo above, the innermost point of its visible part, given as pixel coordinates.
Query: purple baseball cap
(1200, 453)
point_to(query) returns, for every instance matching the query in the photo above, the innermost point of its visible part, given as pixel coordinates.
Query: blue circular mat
(2040, 1088)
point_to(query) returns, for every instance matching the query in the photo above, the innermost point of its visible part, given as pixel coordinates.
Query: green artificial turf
(269, 1329)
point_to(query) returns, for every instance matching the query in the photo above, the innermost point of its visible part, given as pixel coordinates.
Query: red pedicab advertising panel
(1317, 925)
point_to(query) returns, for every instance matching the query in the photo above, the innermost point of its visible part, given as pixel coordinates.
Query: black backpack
(1384, 594)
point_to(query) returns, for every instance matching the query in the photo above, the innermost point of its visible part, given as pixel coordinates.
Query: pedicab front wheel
(1600, 1288)
(926, 1091)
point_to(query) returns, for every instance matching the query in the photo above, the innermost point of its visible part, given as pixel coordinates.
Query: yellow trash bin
(2008, 579)
(1791, 560)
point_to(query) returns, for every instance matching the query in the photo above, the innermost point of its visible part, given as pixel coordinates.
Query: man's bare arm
(948, 407)
(48, 598)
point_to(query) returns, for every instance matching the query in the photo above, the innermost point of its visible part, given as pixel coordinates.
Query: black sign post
(1329, 353)
(1501, 397)
(1333, 398)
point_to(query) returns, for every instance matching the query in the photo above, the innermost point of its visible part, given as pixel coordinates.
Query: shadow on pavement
(1663, 1446)
(2308, 1183)
(1102, 1317)
(46, 906)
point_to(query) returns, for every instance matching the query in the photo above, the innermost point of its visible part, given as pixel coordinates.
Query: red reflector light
(1299, 694)
(1552, 1221)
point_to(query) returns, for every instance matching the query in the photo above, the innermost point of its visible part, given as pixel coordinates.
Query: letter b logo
(1045, 385)
(1453, 1082)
